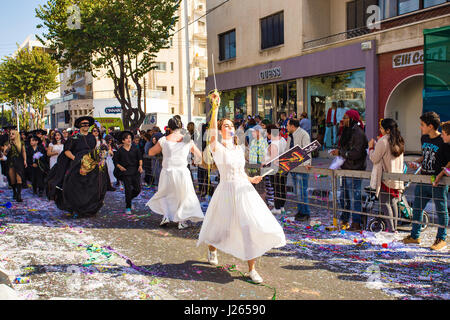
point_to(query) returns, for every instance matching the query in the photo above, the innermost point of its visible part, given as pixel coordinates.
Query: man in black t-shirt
(446, 137)
(435, 156)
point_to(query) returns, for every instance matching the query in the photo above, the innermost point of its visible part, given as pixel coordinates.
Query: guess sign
(270, 74)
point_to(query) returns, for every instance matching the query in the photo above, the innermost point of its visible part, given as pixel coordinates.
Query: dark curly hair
(54, 137)
(396, 141)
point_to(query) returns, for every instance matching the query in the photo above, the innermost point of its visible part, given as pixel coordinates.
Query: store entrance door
(405, 107)
(318, 118)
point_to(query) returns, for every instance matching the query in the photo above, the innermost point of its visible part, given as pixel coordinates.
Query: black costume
(4, 138)
(131, 178)
(16, 161)
(39, 173)
(72, 191)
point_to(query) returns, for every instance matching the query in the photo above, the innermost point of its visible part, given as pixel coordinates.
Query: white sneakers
(182, 225)
(164, 222)
(256, 278)
(276, 211)
(212, 258)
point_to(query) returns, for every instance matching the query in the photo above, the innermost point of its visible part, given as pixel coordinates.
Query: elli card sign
(292, 158)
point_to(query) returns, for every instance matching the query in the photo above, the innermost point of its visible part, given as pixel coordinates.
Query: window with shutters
(227, 45)
(272, 31)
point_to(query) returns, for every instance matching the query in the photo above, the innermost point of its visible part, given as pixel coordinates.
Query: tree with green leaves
(119, 36)
(27, 78)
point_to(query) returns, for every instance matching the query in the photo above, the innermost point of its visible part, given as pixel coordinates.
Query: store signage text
(269, 74)
(113, 110)
(408, 59)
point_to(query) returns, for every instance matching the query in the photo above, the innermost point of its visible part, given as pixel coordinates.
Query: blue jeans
(422, 195)
(301, 190)
(351, 186)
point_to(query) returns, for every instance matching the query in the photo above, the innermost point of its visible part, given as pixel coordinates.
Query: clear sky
(17, 21)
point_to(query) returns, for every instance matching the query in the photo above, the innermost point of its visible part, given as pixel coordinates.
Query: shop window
(346, 90)
(272, 31)
(227, 45)
(266, 102)
(233, 104)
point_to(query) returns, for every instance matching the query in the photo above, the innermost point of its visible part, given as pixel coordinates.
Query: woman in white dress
(112, 148)
(55, 148)
(237, 221)
(176, 199)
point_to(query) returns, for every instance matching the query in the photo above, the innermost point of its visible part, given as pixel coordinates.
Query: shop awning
(436, 95)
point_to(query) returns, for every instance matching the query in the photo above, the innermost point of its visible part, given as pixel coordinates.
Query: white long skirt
(239, 223)
(176, 198)
(110, 165)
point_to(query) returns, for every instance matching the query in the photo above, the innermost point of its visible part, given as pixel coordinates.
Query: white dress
(56, 148)
(238, 221)
(176, 199)
(110, 164)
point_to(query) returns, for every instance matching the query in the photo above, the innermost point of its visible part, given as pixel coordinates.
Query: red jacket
(329, 116)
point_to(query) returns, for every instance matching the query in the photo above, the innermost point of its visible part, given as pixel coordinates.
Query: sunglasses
(84, 124)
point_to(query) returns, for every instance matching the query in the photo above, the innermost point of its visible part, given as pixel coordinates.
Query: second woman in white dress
(176, 199)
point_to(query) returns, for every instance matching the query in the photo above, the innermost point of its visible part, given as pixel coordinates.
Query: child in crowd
(435, 156)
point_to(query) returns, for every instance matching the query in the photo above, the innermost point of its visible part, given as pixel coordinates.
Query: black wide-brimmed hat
(35, 137)
(4, 138)
(123, 133)
(79, 120)
(35, 132)
(9, 127)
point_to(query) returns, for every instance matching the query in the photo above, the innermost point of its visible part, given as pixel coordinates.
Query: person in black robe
(38, 162)
(128, 168)
(4, 140)
(78, 181)
(16, 162)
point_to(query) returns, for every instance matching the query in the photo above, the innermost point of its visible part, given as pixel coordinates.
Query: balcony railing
(336, 38)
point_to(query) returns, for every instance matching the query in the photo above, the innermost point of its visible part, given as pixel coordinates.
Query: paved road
(87, 259)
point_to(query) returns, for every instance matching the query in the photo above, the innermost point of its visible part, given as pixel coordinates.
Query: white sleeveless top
(175, 154)
(56, 148)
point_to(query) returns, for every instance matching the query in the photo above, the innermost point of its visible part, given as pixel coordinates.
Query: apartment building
(170, 75)
(299, 56)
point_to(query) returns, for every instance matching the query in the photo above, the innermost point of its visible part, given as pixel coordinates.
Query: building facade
(301, 56)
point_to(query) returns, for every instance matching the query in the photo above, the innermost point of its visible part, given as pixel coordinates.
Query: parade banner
(110, 122)
(292, 158)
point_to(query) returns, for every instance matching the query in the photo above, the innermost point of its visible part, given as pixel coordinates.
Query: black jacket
(355, 151)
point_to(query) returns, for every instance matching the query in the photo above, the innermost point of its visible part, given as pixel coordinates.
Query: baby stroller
(378, 224)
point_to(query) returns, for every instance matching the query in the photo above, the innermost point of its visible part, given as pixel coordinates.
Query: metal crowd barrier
(325, 193)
